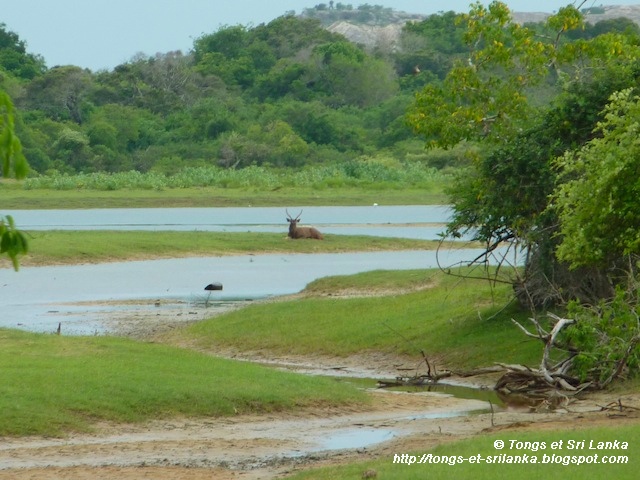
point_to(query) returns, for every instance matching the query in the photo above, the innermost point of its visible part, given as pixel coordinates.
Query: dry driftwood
(618, 406)
(415, 380)
(549, 377)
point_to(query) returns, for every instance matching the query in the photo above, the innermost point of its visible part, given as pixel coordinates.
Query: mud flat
(274, 445)
(271, 446)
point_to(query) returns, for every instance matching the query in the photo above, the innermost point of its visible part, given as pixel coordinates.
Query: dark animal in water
(296, 231)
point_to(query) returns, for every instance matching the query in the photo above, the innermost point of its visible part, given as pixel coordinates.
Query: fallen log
(479, 371)
(416, 380)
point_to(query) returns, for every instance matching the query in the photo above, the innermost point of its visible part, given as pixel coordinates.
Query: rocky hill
(372, 36)
(384, 32)
(592, 15)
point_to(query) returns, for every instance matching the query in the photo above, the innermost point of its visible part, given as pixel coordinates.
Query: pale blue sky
(99, 34)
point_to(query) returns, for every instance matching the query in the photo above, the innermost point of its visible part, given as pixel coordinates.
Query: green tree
(12, 242)
(598, 197)
(290, 36)
(483, 97)
(346, 75)
(61, 93)
(14, 57)
(431, 45)
(503, 197)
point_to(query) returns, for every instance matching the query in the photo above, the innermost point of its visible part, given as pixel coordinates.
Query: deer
(301, 232)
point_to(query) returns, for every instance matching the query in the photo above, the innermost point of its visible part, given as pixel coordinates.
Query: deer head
(296, 231)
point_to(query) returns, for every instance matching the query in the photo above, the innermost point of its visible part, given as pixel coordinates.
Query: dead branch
(548, 378)
(416, 380)
(622, 362)
(479, 371)
(617, 406)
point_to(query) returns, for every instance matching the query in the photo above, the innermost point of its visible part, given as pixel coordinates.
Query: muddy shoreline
(274, 445)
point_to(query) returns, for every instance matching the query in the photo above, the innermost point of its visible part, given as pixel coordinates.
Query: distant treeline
(284, 94)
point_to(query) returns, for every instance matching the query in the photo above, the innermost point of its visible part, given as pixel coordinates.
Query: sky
(101, 34)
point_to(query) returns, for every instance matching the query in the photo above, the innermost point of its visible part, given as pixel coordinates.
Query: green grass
(483, 445)
(453, 320)
(52, 384)
(13, 197)
(66, 247)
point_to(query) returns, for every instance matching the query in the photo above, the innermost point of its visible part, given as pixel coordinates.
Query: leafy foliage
(362, 173)
(290, 93)
(12, 241)
(503, 197)
(484, 95)
(14, 57)
(10, 146)
(599, 193)
(606, 338)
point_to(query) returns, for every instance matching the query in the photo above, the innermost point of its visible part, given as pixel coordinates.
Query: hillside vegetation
(290, 94)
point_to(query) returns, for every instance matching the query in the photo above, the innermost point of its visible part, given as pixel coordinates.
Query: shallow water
(413, 221)
(354, 438)
(38, 298)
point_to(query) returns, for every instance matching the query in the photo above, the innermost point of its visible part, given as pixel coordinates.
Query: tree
(484, 96)
(503, 197)
(14, 57)
(598, 197)
(61, 93)
(12, 242)
(431, 45)
(346, 75)
(558, 180)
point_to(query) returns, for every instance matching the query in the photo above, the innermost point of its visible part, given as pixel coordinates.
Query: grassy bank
(52, 384)
(463, 323)
(484, 446)
(12, 198)
(70, 247)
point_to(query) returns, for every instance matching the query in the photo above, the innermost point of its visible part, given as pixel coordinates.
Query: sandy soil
(273, 446)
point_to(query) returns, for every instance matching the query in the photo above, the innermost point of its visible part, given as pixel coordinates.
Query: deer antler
(289, 217)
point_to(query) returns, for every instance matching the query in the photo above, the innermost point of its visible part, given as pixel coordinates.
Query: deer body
(296, 231)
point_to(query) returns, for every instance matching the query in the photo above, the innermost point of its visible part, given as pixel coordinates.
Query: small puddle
(457, 391)
(358, 437)
(355, 438)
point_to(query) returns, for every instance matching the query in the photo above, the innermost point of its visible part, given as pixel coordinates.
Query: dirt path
(273, 446)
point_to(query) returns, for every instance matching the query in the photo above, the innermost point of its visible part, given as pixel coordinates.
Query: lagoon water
(413, 221)
(37, 298)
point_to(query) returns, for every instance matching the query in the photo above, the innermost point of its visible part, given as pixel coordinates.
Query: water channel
(412, 221)
(82, 296)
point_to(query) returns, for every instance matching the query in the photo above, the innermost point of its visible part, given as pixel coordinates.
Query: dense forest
(284, 94)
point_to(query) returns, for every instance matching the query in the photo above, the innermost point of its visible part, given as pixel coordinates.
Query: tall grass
(354, 173)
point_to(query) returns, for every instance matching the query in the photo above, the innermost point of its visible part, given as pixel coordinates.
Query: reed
(354, 173)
